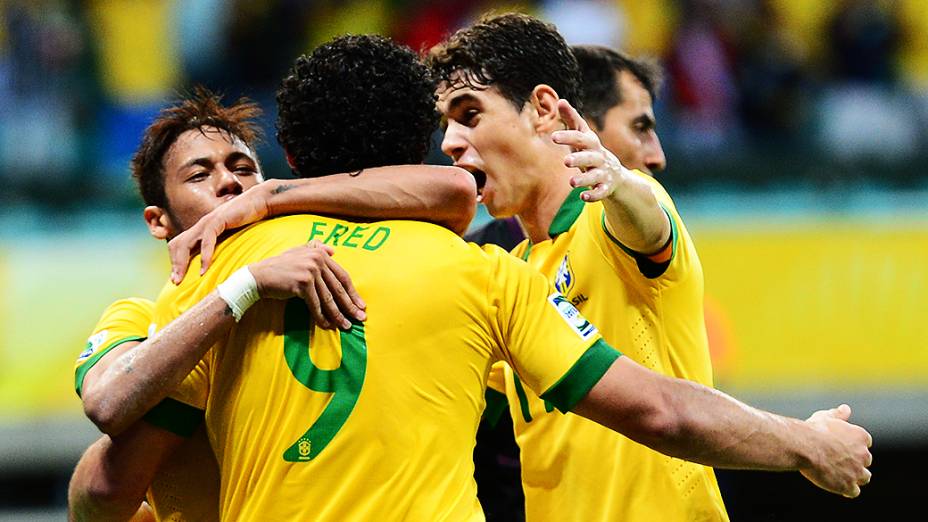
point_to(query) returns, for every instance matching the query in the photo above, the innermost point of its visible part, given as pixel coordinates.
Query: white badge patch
(574, 318)
(152, 328)
(93, 343)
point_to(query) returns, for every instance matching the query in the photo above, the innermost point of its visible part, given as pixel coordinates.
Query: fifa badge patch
(92, 344)
(564, 279)
(574, 318)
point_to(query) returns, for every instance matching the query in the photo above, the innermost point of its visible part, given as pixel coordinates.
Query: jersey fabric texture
(186, 487)
(651, 308)
(377, 422)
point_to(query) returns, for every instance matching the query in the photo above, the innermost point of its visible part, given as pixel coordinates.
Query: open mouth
(480, 177)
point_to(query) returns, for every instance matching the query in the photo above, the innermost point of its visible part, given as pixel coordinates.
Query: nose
(453, 144)
(227, 183)
(654, 157)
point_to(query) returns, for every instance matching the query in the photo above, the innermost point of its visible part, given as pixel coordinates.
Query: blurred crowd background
(796, 133)
(758, 92)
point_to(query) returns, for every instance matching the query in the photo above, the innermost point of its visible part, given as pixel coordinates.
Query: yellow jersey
(377, 422)
(651, 308)
(186, 487)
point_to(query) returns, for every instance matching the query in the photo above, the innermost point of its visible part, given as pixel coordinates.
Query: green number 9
(344, 382)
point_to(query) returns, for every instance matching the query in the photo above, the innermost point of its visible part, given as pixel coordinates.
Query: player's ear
(544, 101)
(159, 224)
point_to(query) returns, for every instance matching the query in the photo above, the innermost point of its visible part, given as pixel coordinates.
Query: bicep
(629, 399)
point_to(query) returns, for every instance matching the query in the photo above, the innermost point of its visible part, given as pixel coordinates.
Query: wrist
(239, 291)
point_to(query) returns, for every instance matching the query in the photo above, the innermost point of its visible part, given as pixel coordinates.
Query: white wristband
(239, 291)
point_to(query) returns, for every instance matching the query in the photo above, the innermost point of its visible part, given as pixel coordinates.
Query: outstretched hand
(243, 210)
(309, 272)
(600, 169)
(845, 456)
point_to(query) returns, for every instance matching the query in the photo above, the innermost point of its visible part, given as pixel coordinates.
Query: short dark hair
(201, 108)
(513, 52)
(353, 103)
(599, 87)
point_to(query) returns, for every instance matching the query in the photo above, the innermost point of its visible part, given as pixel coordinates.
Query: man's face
(203, 169)
(487, 136)
(629, 128)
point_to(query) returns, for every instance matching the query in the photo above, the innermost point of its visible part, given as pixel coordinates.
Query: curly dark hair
(513, 52)
(599, 68)
(201, 108)
(353, 103)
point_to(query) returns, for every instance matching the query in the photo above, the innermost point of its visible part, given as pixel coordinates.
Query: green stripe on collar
(568, 213)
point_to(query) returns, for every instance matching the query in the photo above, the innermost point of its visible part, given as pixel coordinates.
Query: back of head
(200, 109)
(599, 70)
(353, 103)
(512, 52)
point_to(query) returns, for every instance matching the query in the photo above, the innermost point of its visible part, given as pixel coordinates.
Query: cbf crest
(564, 279)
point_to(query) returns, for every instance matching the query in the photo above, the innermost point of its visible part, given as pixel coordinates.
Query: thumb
(842, 412)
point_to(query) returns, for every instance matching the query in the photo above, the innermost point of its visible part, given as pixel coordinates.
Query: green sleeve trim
(646, 266)
(82, 370)
(577, 382)
(175, 416)
(496, 406)
(523, 398)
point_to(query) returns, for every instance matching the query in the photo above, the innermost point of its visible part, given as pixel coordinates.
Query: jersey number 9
(344, 382)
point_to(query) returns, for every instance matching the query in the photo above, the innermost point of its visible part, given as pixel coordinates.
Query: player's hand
(844, 455)
(249, 207)
(309, 272)
(600, 169)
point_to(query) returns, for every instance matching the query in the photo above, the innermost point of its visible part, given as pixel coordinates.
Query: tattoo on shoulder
(283, 188)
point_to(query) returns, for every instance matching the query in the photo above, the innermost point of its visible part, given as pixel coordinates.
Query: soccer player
(379, 421)
(608, 238)
(211, 149)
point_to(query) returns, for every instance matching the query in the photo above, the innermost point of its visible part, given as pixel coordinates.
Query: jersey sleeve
(672, 263)
(554, 349)
(123, 321)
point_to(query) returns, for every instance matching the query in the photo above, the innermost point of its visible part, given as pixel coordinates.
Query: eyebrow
(207, 163)
(459, 100)
(647, 120)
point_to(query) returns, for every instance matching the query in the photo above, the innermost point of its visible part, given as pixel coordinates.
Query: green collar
(568, 213)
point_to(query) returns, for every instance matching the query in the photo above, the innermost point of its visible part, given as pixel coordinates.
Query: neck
(545, 202)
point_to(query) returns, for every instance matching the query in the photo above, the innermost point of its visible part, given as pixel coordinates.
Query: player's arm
(442, 195)
(111, 478)
(122, 391)
(633, 215)
(693, 422)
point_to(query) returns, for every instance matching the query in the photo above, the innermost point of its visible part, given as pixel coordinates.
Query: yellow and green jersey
(377, 422)
(651, 308)
(186, 487)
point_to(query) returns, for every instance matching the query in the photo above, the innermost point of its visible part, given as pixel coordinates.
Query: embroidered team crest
(574, 318)
(564, 279)
(92, 344)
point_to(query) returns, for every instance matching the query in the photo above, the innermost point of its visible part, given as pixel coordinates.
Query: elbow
(462, 199)
(103, 415)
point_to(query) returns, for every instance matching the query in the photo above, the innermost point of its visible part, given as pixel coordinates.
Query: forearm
(442, 195)
(690, 421)
(95, 494)
(142, 377)
(634, 216)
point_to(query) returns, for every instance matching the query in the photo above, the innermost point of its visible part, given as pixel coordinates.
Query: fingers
(179, 249)
(356, 304)
(854, 493)
(328, 307)
(571, 117)
(576, 140)
(600, 182)
(585, 159)
(207, 247)
(315, 243)
(315, 309)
